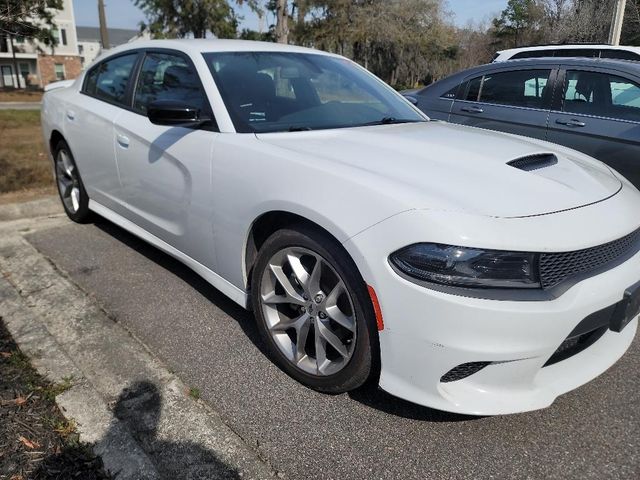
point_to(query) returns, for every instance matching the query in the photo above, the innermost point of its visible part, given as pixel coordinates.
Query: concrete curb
(67, 335)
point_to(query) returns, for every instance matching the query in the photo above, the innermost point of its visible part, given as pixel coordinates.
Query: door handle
(71, 115)
(571, 123)
(123, 141)
(472, 109)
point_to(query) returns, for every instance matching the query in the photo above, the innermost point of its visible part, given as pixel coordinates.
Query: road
(212, 344)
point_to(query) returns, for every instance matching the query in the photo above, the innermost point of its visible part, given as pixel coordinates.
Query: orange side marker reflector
(376, 308)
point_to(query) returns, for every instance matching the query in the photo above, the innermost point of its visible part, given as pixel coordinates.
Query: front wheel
(70, 187)
(313, 310)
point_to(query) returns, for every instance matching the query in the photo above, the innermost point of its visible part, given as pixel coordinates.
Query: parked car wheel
(313, 310)
(70, 187)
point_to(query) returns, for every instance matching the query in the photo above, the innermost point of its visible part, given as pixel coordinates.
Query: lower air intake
(463, 371)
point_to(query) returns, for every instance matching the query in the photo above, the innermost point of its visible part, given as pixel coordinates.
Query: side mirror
(174, 113)
(412, 99)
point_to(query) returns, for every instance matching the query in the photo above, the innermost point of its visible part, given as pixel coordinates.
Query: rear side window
(602, 95)
(560, 52)
(620, 55)
(167, 76)
(108, 80)
(520, 88)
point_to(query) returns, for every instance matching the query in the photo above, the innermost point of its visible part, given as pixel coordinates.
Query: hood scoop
(534, 162)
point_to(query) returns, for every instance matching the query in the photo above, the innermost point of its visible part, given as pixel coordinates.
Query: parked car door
(166, 170)
(89, 125)
(598, 113)
(514, 101)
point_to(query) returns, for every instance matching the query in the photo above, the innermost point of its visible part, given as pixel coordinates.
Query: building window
(4, 45)
(59, 69)
(19, 40)
(63, 36)
(80, 49)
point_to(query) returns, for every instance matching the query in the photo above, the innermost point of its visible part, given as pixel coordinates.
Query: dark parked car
(588, 104)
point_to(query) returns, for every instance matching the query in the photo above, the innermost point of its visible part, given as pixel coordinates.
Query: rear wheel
(70, 187)
(313, 310)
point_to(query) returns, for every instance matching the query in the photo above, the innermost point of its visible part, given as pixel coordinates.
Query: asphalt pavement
(212, 345)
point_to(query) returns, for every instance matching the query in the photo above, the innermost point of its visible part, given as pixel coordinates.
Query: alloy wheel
(68, 181)
(308, 311)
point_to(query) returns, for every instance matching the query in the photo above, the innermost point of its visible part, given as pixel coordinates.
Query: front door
(166, 171)
(600, 116)
(514, 101)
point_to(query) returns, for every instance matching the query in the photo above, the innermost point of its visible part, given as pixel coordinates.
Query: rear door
(516, 100)
(89, 125)
(598, 112)
(166, 170)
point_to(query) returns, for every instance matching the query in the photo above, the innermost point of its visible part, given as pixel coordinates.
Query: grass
(24, 163)
(194, 393)
(10, 95)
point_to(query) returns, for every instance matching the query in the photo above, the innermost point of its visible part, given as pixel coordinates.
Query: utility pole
(104, 34)
(616, 24)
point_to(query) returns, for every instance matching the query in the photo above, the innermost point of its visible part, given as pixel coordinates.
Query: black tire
(363, 364)
(82, 214)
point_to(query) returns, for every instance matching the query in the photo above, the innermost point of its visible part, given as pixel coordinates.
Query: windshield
(279, 91)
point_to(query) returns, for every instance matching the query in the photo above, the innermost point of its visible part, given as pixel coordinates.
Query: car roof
(197, 46)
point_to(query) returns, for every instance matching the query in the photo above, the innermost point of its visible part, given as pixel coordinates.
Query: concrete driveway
(212, 344)
(20, 105)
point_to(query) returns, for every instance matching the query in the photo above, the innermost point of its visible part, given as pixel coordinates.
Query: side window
(520, 88)
(166, 76)
(602, 95)
(473, 89)
(577, 52)
(619, 54)
(109, 79)
(451, 94)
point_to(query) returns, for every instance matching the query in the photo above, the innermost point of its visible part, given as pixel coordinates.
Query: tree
(519, 23)
(32, 19)
(182, 18)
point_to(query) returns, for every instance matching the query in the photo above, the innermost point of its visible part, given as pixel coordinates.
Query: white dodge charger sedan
(461, 269)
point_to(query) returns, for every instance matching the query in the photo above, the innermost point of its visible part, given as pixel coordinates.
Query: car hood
(443, 166)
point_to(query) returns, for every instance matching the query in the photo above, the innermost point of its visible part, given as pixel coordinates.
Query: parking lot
(212, 345)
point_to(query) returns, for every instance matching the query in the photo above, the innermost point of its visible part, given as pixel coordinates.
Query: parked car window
(278, 91)
(109, 79)
(619, 54)
(577, 52)
(602, 95)
(166, 76)
(521, 88)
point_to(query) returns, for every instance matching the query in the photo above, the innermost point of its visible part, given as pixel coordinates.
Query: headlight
(467, 267)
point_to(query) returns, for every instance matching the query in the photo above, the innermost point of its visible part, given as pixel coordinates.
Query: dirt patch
(36, 441)
(24, 163)
(20, 96)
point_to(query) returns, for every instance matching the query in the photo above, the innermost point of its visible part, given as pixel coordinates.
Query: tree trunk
(282, 17)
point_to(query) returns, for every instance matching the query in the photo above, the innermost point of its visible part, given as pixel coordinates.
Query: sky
(123, 14)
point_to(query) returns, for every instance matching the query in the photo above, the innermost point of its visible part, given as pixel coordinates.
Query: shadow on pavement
(139, 408)
(369, 395)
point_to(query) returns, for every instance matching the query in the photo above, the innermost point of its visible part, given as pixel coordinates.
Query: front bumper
(427, 333)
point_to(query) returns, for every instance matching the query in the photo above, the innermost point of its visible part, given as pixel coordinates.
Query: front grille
(463, 371)
(558, 267)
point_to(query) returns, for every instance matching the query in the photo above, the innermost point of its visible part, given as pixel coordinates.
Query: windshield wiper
(389, 121)
(299, 129)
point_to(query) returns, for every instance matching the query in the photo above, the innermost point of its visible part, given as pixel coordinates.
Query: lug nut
(305, 296)
(303, 309)
(319, 298)
(322, 315)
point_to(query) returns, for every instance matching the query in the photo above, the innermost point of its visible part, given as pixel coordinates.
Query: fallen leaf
(28, 443)
(5, 354)
(20, 400)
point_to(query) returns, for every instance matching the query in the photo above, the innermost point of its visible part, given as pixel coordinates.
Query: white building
(90, 45)
(37, 63)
